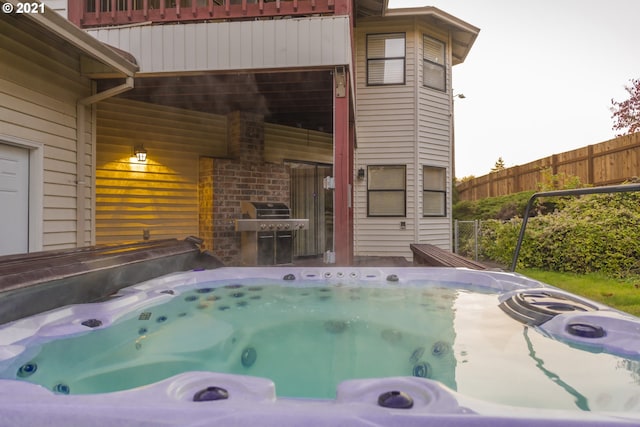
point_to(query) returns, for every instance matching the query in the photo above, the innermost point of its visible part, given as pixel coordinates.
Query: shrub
(502, 207)
(512, 205)
(595, 233)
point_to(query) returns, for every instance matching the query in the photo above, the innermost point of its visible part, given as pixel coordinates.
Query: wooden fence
(607, 163)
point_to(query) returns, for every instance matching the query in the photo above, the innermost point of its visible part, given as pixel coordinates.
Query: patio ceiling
(301, 99)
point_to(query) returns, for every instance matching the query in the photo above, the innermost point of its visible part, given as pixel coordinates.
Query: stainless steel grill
(267, 233)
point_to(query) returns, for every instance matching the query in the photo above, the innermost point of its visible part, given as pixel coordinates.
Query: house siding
(38, 94)
(283, 143)
(386, 132)
(434, 135)
(160, 195)
(220, 46)
(401, 125)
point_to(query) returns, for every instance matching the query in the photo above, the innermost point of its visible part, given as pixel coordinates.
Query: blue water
(309, 339)
(305, 339)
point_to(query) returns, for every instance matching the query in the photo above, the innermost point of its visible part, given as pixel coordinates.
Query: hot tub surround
(39, 281)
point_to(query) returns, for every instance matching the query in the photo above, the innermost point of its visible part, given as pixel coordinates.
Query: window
(434, 185)
(433, 69)
(385, 59)
(386, 191)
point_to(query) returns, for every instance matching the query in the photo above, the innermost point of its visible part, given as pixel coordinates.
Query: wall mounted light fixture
(140, 153)
(361, 174)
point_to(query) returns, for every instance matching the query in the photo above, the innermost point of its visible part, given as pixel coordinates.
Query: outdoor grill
(267, 233)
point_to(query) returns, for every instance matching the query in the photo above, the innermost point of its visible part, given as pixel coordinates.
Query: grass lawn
(623, 294)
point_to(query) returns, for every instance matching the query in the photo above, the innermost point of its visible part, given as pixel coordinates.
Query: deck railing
(96, 13)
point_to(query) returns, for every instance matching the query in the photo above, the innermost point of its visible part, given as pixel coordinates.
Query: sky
(540, 77)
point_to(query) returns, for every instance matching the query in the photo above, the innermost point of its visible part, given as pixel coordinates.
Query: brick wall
(244, 177)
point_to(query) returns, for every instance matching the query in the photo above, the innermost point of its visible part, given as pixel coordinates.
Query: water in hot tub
(305, 339)
(309, 339)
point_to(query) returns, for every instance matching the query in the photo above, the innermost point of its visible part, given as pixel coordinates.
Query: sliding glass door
(310, 200)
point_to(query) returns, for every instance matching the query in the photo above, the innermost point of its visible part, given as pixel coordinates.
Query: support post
(342, 169)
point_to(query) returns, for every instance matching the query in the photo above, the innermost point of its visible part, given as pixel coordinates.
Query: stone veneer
(242, 177)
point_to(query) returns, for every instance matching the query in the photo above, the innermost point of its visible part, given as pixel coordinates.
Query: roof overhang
(366, 8)
(463, 34)
(53, 25)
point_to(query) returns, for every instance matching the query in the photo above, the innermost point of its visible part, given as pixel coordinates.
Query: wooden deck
(433, 256)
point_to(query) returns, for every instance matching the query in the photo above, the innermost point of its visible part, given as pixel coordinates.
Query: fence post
(590, 172)
(476, 229)
(455, 236)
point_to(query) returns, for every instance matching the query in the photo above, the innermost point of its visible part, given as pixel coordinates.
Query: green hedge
(596, 233)
(502, 207)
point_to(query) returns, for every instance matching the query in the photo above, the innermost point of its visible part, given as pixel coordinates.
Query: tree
(626, 114)
(498, 166)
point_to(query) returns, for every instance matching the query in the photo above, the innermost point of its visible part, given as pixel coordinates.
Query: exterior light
(140, 153)
(361, 174)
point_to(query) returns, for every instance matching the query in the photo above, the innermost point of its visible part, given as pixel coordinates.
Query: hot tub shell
(254, 401)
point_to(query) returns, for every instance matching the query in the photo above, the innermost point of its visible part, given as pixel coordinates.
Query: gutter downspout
(81, 219)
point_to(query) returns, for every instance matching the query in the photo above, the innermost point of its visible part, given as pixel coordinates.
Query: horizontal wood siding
(303, 42)
(286, 143)
(39, 87)
(402, 124)
(160, 195)
(386, 135)
(434, 140)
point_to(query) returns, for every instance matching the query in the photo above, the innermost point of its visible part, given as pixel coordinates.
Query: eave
(463, 34)
(54, 27)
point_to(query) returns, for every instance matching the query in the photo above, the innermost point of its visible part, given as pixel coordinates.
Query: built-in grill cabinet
(267, 231)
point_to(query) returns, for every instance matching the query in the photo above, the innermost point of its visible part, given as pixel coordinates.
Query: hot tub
(325, 346)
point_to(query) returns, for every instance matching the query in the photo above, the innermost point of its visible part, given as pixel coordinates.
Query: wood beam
(342, 169)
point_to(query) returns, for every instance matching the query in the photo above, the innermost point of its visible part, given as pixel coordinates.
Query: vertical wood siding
(607, 163)
(39, 87)
(404, 125)
(318, 41)
(160, 195)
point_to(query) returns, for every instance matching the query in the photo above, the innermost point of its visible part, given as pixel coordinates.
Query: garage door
(14, 200)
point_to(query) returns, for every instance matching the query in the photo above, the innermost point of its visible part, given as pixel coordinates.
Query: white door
(14, 200)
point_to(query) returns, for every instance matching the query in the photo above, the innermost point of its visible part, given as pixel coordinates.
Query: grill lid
(267, 210)
(263, 206)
